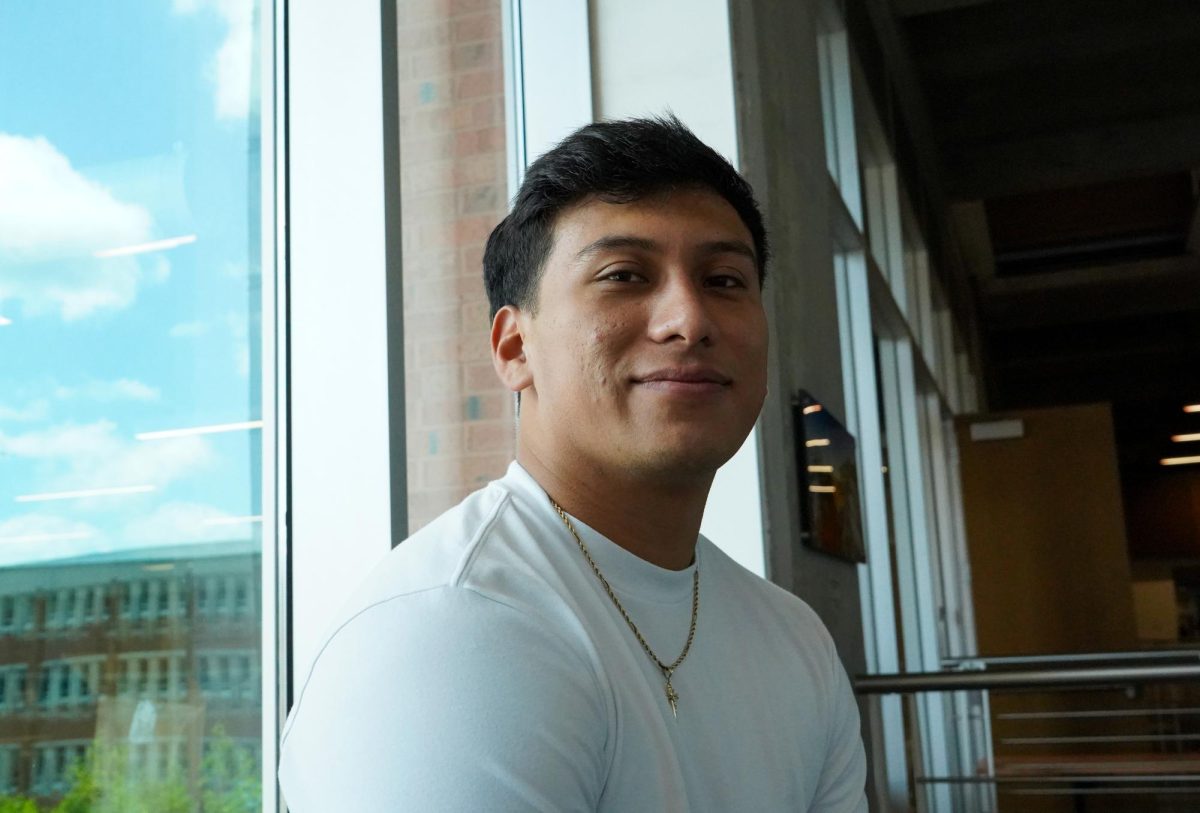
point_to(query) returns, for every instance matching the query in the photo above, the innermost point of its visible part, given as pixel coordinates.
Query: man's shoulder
(440, 554)
(768, 601)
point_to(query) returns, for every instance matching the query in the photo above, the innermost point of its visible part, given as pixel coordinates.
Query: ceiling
(1068, 140)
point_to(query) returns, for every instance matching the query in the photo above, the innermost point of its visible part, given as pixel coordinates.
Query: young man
(564, 639)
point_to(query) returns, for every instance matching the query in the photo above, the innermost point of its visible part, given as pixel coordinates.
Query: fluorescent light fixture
(199, 430)
(1186, 438)
(78, 495)
(821, 469)
(811, 408)
(233, 520)
(1180, 461)
(822, 489)
(816, 442)
(1192, 408)
(4, 321)
(142, 248)
(4, 540)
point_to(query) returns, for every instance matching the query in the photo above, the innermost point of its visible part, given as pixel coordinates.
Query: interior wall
(1051, 574)
(781, 143)
(1046, 534)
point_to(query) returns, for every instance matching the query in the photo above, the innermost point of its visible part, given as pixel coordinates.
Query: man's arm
(443, 701)
(842, 787)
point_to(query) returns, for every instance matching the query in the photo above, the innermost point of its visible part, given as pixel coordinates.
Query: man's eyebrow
(729, 247)
(614, 242)
(617, 241)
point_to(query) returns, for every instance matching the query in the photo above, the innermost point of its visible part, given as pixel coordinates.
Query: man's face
(647, 348)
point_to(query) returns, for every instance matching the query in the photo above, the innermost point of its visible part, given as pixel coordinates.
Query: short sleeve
(445, 700)
(842, 787)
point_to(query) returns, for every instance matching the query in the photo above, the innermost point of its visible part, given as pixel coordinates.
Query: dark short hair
(616, 162)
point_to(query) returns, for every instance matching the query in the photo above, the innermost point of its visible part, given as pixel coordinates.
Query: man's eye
(623, 275)
(725, 281)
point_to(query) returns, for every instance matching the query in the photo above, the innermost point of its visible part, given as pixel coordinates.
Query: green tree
(108, 782)
(232, 777)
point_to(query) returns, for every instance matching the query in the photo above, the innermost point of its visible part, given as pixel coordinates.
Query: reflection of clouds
(181, 522)
(240, 333)
(94, 455)
(35, 410)
(48, 210)
(231, 65)
(32, 401)
(35, 537)
(188, 330)
(121, 389)
(52, 218)
(39, 537)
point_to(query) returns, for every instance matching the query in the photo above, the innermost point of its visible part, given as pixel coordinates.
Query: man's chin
(683, 462)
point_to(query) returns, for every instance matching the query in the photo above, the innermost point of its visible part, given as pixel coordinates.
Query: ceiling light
(142, 248)
(1192, 408)
(4, 320)
(822, 489)
(1180, 461)
(820, 469)
(1186, 438)
(91, 492)
(811, 408)
(816, 442)
(199, 430)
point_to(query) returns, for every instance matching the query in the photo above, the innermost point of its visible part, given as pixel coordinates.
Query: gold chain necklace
(667, 669)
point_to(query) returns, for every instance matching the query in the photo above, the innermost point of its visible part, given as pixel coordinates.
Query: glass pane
(454, 190)
(130, 406)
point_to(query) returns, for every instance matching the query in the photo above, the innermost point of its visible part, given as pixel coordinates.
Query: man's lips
(685, 379)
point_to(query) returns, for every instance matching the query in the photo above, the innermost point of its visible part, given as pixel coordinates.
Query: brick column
(453, 190)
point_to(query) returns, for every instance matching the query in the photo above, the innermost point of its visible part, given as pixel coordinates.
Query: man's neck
(655, 522)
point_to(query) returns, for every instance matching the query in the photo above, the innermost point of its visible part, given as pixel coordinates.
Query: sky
(129, 279)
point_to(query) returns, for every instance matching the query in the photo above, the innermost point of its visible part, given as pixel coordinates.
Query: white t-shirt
(482, 667)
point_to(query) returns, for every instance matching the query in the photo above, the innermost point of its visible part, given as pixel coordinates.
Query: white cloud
(95, 456)
(188, 330)
(48, 210)
(180, 522)
(35, 410)
(231, 65)
(122, 389)
(239, 332)
(64, 441)
(52, 219)
(37, 526)
(37, 396)
(38, 537)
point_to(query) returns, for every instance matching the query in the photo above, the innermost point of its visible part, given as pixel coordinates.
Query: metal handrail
(983, 662)
(1152, 779)
(915, 682)
(1152, 711)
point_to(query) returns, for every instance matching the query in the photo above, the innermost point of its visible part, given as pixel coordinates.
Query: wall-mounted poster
(830, 515)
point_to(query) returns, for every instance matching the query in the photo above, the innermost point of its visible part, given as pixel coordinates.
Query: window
(134, 394)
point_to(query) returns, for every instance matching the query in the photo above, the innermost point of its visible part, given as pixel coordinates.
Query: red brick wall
(453, 188)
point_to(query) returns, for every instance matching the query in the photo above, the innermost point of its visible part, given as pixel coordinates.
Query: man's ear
(508, 349)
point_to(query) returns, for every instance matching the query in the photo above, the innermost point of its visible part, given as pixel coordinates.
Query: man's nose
(680, 313)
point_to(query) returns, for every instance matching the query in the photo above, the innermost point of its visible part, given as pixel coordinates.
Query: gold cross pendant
(672, 698)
